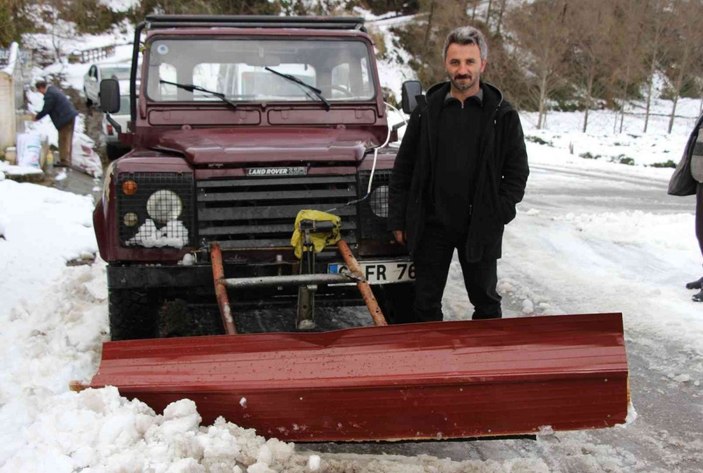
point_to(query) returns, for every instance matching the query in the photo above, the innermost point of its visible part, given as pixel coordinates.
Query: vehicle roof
(267, 32)
(257, 21)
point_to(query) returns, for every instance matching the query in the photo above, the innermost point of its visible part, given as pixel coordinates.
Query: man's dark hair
(40, 84)
(467, 35)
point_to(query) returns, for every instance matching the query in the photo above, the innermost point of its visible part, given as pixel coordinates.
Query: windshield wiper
(307, 86)
(192, 87)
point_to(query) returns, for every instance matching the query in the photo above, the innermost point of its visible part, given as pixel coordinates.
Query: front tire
(133, 314)
(396, 301)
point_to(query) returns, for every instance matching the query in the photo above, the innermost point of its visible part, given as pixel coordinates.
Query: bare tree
(591, 55)
(656, 10)
(501, 13)
(687, 35)
(473, 4)
(428, 27)
(424, 36)
(542, 34)
(628, 51)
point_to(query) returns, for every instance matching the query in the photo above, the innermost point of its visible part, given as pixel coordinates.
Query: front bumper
(149, 276)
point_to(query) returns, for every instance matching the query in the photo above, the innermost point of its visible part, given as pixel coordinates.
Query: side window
(93, 72)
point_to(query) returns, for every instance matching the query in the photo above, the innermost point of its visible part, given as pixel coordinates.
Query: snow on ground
(43, 228)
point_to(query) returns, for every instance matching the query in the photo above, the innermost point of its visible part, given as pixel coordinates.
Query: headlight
(378, 200)
(164, 206)
(155, 209)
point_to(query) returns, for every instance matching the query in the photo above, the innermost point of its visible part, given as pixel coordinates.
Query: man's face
(464, 67)
(41, 90)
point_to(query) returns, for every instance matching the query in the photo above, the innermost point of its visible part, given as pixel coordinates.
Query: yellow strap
(319, 240)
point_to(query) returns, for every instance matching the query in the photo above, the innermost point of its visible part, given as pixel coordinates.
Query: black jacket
(58, 107)
(501, 173)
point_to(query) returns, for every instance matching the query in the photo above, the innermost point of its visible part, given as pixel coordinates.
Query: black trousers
(433, 256)
(699, 216)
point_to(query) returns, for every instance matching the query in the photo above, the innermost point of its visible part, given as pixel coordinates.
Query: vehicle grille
(373, 211)
(259, 212)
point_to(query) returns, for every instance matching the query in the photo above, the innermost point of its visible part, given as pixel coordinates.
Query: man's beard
(463, 86)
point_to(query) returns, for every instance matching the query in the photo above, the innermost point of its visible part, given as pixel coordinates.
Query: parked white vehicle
(98, 72)
(113, 146)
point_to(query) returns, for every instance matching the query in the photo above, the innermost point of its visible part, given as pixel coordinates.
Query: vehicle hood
(233, 146)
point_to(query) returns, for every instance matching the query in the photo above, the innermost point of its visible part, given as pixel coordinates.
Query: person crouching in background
(63, 115)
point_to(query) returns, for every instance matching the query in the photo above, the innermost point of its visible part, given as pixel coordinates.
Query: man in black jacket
(460, 171)
(63, 115)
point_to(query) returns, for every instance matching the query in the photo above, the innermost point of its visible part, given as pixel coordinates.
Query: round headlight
(378, 200)
(164, 206)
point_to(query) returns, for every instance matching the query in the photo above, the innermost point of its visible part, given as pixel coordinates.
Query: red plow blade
(434, 380)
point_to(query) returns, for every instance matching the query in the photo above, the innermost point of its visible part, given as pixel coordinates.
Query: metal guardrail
(93, 54)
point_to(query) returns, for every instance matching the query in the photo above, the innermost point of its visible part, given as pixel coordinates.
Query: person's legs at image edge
(699, 235)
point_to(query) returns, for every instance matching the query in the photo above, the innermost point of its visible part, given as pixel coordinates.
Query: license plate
(381, 272)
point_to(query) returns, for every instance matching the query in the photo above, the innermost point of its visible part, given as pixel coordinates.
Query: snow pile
(14, 169)
(173, 234)
(97, 430)
(43, 229)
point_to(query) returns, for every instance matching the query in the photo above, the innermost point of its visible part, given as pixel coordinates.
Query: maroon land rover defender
(237, 124)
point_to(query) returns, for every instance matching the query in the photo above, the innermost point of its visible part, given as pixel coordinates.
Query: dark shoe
(695, 284)
(698, 297)
(61, 165)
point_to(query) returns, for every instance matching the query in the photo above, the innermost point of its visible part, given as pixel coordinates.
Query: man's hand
(399, 236)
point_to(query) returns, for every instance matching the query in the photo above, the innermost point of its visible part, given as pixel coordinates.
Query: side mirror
(109, 95)
(411, 89)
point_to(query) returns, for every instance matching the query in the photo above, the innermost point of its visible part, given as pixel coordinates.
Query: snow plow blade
(437, 380)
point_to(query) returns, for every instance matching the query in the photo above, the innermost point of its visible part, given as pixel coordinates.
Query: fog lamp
(130, 219)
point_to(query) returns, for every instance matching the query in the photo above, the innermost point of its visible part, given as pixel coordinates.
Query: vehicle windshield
(119, 73)
(237, 68)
